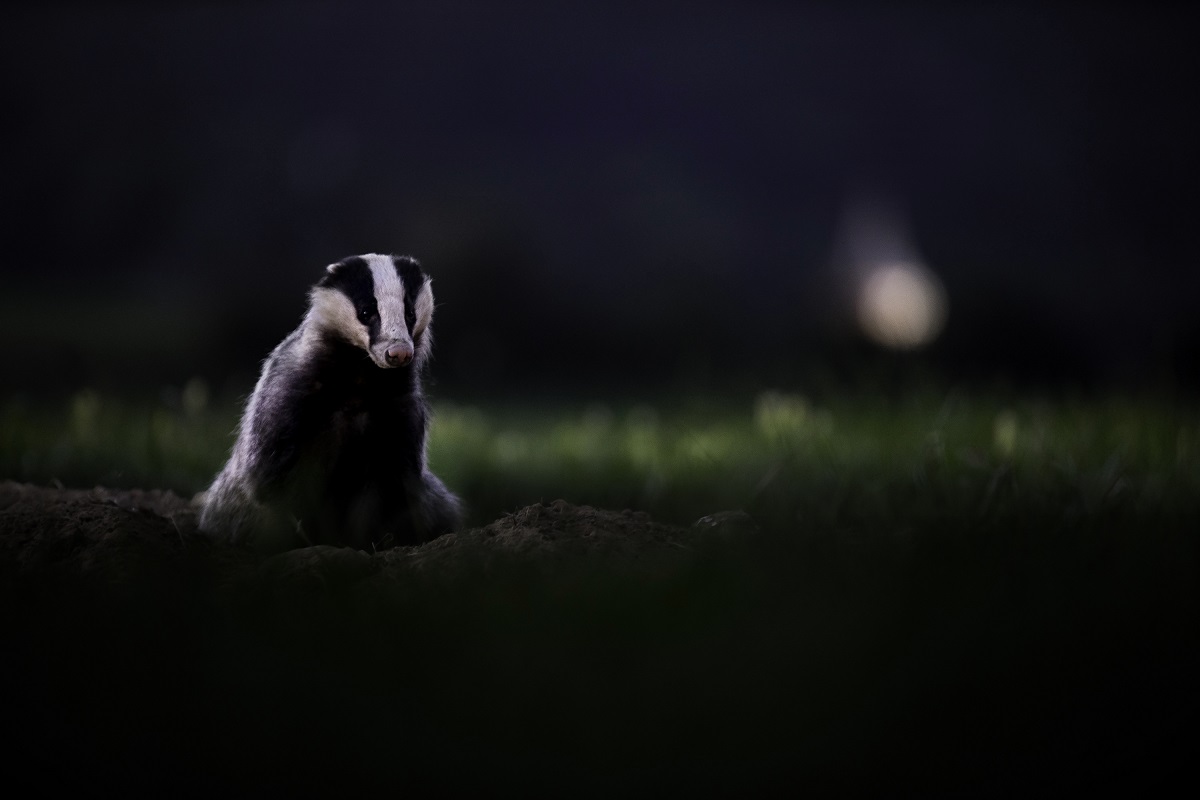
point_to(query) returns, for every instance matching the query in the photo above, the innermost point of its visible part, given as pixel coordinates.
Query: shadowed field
(933, 592)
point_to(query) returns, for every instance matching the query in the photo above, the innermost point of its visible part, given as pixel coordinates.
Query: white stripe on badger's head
(393, 333)
(365, 300)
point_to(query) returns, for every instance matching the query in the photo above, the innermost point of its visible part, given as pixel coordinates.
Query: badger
(331, 445)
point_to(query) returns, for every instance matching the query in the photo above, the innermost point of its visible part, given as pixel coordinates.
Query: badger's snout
(398, 354)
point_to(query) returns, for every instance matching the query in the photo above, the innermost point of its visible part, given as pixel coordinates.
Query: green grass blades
(945, 460)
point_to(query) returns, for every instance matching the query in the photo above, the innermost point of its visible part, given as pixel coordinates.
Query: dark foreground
(580, 652)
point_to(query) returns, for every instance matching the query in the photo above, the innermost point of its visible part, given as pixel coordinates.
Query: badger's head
(382, 304)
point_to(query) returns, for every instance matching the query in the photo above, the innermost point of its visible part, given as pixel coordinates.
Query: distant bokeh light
(901, 305)
(897, 300)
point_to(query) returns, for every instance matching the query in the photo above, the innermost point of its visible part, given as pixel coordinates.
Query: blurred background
(699, 197)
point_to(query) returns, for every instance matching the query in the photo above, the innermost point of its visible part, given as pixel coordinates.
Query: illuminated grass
(786, 459)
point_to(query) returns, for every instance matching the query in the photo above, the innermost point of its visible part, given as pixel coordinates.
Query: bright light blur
(901, 305)
(898, 302)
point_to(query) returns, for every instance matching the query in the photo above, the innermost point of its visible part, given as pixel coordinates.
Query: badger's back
(331, 448)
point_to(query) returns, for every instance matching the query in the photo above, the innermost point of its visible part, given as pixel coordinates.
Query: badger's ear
(330, 272)
(334, 270)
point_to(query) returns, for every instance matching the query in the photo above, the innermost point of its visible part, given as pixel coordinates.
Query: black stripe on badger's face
(352, 277)
(413, 279)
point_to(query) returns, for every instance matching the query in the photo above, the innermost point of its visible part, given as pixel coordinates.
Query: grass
(848, 461)
(950, 591)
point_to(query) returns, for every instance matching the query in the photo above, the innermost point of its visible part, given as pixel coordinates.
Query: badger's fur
(331, 446)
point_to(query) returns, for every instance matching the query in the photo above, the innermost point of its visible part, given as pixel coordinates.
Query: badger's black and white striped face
(382, 304)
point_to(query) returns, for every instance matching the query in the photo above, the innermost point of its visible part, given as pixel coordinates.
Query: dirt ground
(140, 650)
(562, 649)
(124, 535)
(134, 636)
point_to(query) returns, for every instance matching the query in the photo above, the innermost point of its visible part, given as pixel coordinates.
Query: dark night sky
(611, 193)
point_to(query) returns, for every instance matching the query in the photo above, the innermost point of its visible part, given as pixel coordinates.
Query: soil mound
(123, 536)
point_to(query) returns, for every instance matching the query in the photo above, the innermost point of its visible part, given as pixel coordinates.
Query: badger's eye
(365, 314)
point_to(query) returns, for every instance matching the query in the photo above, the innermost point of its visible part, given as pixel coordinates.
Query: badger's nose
(399, 354)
